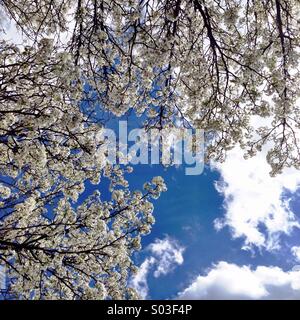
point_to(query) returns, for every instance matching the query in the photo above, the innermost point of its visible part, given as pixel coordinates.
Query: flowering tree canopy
(230, 67)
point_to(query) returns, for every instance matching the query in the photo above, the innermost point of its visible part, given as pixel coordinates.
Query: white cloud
(230, 281)
(253, 199)
(166, 254)
(296, 252)
(139, 281)
(8, 29)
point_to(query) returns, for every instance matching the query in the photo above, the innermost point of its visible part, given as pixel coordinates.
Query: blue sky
(253, 254)
(186, 215)
(186, 212)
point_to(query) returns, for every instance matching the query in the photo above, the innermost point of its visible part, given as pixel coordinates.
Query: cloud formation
(230, 281)
(139, 281)
(168, 253)
(296, 253)
(165, 255)
(256, 208)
